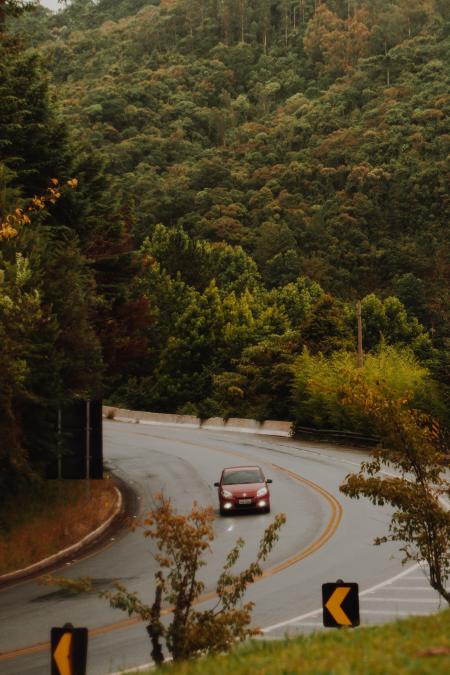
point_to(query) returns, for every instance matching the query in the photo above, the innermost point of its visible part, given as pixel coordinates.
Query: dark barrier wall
(79, 441)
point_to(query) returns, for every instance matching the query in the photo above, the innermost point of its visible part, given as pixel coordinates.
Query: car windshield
(243, 476)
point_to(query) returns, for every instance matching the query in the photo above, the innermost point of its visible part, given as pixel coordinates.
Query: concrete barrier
(144, 417)
(278, 428)
(243, 425)
(273, 427)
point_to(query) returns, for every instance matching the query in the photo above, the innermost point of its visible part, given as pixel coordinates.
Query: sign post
(68, 650)
(88, 447)
(340, 603)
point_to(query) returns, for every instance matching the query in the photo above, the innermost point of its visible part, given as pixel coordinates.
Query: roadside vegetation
(416, 645)
(183, 542)
(51, 517)
(319, 382)
(408, 472)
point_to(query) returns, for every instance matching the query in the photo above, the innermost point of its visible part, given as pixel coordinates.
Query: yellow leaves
(235, 391)
(327, 171)
(10, 227)
(7, 231)
(37, 203)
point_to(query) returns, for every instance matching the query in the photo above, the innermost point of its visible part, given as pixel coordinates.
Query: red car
(243, 487)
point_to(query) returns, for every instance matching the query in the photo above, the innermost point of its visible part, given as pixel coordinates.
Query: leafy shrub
(318, 378)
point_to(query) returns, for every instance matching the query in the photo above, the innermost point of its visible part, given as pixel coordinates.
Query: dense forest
(211, 185)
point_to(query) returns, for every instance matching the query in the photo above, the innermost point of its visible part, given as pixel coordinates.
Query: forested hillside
(316, 135)
(247, 170)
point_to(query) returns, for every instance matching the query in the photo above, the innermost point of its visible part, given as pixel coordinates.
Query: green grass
(416, 645)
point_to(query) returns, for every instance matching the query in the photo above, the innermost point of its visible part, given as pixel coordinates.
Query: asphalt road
(326, 537)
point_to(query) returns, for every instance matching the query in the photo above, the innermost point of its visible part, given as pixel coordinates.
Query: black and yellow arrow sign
(63, 654)
(69, 650)
(340, 602)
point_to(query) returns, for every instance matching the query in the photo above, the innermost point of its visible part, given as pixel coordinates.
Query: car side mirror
(216, 484)
(269, 480)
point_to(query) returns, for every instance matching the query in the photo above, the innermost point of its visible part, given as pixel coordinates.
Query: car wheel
(222, 512)
(267, 509)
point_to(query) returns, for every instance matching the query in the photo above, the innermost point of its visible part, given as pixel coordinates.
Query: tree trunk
(155, 628)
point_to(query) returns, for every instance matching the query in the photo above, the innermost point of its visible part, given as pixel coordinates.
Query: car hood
(250, 489)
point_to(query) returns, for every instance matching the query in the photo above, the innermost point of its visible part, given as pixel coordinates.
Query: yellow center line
(326, 534)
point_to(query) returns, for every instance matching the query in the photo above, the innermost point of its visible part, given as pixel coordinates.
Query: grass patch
(416, 645)
(51, 516)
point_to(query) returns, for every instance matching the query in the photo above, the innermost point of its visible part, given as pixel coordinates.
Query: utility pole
(359, 362)
(59, 443)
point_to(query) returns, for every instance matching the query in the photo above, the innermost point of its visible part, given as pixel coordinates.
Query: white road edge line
(312, 623)
(138, 669)
(433, 600)
(315, 612)
(413, 588)
(391, 612)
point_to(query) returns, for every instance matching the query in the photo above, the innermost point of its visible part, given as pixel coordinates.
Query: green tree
(188, 359)
(388, 320)
(296, 299)
(179, 255)
(325, 329)
(273, 238)
(33, 139)
(421, 521)
(10, 8)
(20, 315)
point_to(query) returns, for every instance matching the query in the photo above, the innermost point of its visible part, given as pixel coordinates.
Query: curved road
(326, 537)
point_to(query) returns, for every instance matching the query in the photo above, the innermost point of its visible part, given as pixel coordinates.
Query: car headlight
(263, 491)
(226, 493)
